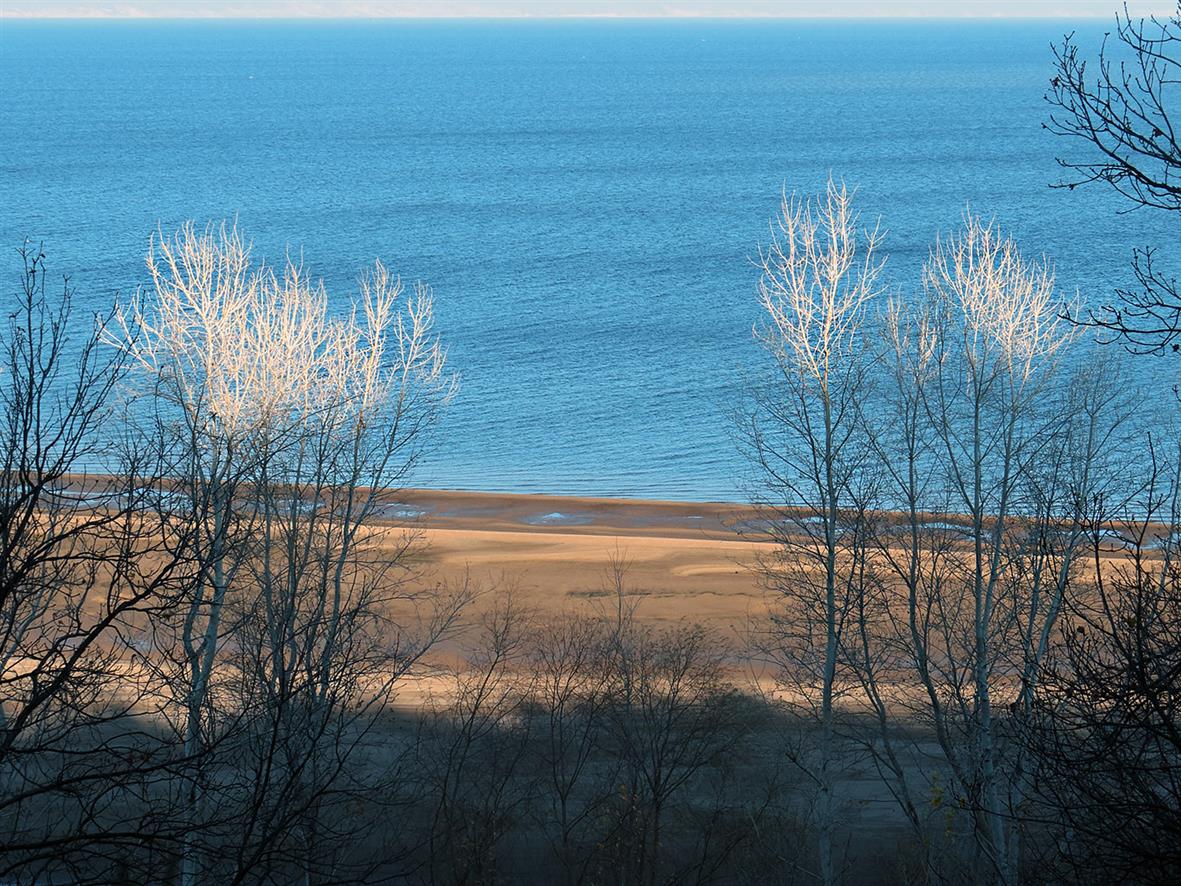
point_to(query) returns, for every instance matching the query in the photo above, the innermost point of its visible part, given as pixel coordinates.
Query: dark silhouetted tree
(1121, 105)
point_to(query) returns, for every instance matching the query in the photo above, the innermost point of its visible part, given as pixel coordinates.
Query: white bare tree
(257, 384)
(820, 277)
(983, 421)
(334, 617)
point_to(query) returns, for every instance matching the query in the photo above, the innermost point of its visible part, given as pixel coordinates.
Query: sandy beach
(685, 561)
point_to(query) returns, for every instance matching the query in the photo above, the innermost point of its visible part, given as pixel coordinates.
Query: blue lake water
(584, 197)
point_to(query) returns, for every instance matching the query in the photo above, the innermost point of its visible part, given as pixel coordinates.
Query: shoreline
(578, 515)
(427, 508)
(438, 509)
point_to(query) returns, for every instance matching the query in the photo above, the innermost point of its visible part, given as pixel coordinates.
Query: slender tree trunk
(826, 805)
(202, 661)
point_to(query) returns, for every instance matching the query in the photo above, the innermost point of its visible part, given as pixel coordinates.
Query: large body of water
(585, 197)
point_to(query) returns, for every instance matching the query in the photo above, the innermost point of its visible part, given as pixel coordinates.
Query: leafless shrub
(671, 716)
(568, 702)
(474, 753)
(1103, 734)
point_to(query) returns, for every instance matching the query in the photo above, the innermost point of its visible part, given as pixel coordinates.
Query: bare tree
(820, 276)
(287, 426)
(84, 562)
(992, 431)
(474, 753)
(323, 652)
(1121, 106)
(191, 341)
(569, 659)
(669, 719)
(1104, 734)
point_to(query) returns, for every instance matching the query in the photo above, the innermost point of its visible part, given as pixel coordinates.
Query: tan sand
(686, 561)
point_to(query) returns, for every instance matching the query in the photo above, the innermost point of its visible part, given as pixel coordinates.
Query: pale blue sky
(607, 8)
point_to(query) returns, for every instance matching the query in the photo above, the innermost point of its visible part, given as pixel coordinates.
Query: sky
(603, 8)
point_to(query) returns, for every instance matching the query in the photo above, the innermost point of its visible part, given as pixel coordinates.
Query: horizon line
(311, 16)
